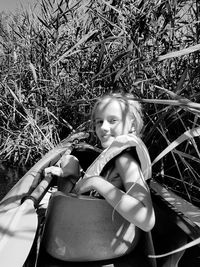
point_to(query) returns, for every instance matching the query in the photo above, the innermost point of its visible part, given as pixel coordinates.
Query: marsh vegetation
(58, 58)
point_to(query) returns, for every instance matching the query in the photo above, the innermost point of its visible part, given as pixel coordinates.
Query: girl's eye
(98, 122)
(112, 121)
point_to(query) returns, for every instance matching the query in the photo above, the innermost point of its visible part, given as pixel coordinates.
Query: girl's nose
(105, 125)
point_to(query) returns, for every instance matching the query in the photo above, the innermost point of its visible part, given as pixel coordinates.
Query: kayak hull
(171, 230)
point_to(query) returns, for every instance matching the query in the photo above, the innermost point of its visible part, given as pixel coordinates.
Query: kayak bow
(18, 227)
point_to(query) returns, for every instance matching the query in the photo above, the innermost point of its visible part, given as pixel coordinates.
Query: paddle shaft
(39, 191)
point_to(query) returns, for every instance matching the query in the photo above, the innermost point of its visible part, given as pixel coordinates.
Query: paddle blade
(17, 231)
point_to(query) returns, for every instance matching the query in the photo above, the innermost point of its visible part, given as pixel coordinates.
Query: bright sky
(12, 5)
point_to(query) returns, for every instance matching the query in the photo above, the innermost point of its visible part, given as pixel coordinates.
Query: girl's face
(111, 120)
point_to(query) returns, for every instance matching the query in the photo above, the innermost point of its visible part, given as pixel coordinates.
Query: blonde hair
(132, 107)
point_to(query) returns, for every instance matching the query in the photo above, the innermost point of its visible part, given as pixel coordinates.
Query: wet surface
(9, 176)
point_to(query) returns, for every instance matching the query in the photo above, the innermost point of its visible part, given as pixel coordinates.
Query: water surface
(9, 176)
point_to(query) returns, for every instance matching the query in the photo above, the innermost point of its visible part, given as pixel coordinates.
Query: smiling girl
(119, 173)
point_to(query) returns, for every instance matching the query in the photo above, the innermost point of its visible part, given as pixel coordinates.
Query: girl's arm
(69, 165)
(135, 205)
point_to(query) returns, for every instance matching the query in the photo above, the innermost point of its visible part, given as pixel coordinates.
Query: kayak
(41, 226)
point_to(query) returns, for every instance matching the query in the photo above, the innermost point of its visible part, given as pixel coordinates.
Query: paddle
(18, 228)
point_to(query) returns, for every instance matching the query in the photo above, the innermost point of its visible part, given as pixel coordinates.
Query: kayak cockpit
(87, 229)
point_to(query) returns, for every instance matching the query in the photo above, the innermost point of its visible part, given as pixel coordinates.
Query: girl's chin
(107, 143)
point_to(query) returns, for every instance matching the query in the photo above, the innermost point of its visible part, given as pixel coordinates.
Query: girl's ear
(132, 129)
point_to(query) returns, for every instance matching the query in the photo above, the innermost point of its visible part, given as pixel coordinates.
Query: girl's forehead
(110, 105)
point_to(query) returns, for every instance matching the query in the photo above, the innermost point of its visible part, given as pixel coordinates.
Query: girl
(124, 188)
(124, 165)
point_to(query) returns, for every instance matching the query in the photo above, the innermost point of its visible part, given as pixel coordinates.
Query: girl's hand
(53, 170)
(86, 185)
(70, 166)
